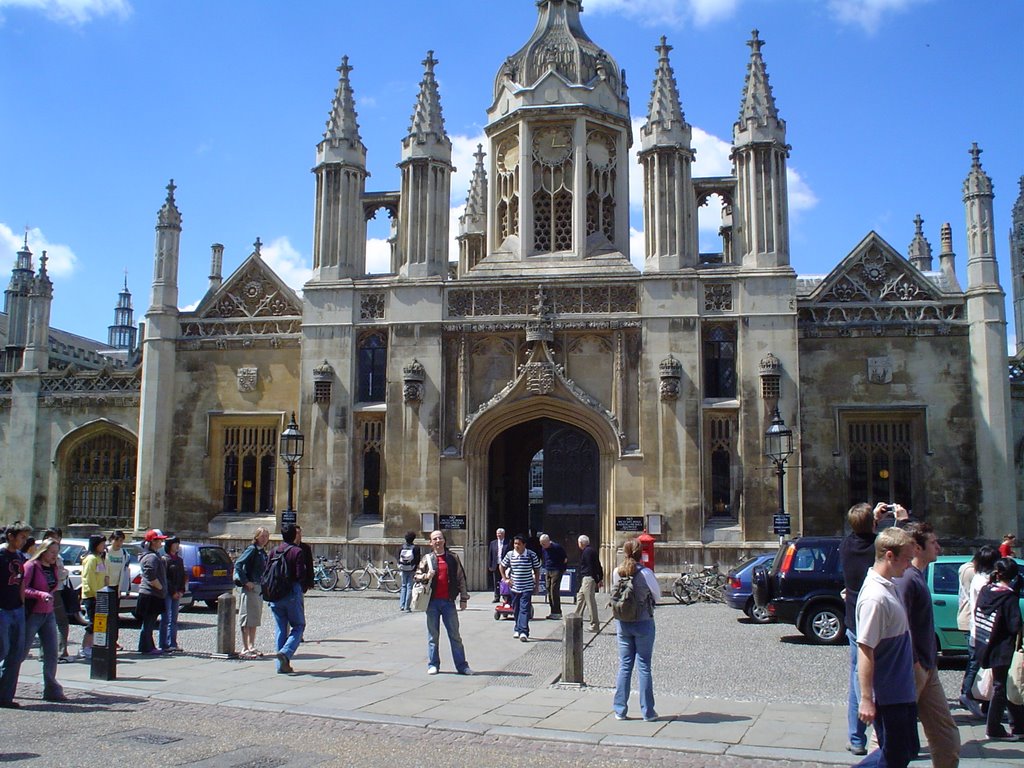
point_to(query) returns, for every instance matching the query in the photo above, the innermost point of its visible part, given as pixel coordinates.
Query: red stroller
(503, 610)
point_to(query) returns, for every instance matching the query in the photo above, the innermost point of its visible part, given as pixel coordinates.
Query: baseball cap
(154, 534)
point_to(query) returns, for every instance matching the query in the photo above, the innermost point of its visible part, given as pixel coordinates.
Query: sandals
(251, 653)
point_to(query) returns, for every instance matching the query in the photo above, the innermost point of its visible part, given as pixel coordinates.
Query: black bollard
(572, 667)
(226, 626)
(104, 637)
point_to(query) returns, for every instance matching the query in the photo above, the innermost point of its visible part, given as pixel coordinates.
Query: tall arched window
(373, 364)
(99, 481)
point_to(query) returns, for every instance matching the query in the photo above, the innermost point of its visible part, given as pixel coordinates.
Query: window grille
(99, 483)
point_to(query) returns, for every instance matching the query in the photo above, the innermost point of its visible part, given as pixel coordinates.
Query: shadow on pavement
(706, 717)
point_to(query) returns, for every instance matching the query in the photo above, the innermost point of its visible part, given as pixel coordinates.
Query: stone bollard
(226, 626)
(572, 667)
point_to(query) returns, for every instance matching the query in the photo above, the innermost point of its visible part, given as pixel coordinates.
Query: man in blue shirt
(554, 567)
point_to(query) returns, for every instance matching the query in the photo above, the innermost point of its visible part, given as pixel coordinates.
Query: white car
(73, 551)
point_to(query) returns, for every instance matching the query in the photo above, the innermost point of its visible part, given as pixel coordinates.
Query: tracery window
(601, 184)
(370, 464)
(372, 368)
(99, 482)
(720, 464)
(720, 360)
(552, 189)
(881, 452)
(507, 188)
(249, 462)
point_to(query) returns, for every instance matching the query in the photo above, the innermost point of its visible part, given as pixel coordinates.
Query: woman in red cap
(152, 589)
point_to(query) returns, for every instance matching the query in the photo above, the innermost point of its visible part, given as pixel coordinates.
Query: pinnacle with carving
(427, 117)
(977, 182)
(342, 123)
(169, 216)
(476, 201)
(758, 103)
(663, 109)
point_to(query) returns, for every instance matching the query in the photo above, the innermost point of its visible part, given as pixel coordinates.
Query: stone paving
(376, 673)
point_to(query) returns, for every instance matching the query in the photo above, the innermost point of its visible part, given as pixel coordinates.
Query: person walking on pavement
(41, 586)
(249, 568)
(984, 560)
(856, 556)
(636, 638)
(290, 611)
(59, 613)
(447, 578)
(997, 623)
(939, 727)
(495, 554)
(408, 560)
(520, 570)
(591, 576)
(554, 567)
(885, 664)
(12, 611)
(152, 588)
(176, 583)
(94, 578)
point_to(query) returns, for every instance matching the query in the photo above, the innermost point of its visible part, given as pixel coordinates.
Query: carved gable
(874, 273)
(253, 291)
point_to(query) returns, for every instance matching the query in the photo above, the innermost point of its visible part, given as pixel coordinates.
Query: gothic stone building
(439, 393)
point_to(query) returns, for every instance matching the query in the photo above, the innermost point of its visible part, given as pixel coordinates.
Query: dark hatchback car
(803, 587)
(209, 571)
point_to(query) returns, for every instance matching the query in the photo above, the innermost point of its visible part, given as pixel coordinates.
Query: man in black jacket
(591, 575)
(856, 556)
(495, 553)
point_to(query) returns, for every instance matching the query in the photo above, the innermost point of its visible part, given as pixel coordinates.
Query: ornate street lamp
(292, 442)
(778, 445)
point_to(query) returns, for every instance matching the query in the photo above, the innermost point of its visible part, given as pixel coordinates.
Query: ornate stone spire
(42, 285)
(758, 103)
(476, 201)
(342, 124)
(473, 223)
(920, 250)
(427, 119)
(947, 259)
(977, 181)
(1017, 265)
(169, 216)
(665, 119)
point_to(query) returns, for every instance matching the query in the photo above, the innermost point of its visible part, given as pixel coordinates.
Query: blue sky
(105, 100)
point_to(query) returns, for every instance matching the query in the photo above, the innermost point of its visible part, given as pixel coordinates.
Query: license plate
(220, 572)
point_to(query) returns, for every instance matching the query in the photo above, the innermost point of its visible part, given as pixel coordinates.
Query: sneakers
(555, 616)
(856, 749)
(515, 635)
(284, 666)
(431, 670)
(524, 638)
(620, 717)
(595, 630)
(651, 719)
(466, 671)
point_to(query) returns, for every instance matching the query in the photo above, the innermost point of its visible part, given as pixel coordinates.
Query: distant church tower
(121, 335)
(16, 308)
(760, 152)
(1017, 265)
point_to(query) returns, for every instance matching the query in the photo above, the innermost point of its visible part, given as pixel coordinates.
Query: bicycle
(705, 586)
(387, 577)
(328, 573)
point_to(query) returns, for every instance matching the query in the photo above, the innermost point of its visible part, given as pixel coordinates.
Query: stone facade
(438, 393)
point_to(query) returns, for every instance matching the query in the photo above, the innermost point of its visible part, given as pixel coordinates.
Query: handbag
(1015, 680)
(421, 592)
(72, 600)
(982, 688)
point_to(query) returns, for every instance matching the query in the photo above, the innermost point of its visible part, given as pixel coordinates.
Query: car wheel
(757, 614)
(824, 625)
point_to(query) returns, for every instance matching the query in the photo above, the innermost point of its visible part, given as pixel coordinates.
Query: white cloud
(801, 196)
(867, 13)
(378, 256)
(290, 265)
(61, 260)
(73, 11)
(637, 248)
(463, 149)
(671, 12)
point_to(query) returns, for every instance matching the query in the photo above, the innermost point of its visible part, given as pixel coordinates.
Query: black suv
(803, 586)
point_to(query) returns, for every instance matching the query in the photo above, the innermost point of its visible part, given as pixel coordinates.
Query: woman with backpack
(408, 559)
(997, 623)
(633, 599)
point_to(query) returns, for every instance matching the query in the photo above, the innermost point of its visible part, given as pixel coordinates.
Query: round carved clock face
(552, 145)
(508, 155)
(599, 152)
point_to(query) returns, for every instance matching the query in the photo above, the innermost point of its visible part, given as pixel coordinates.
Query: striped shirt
(520, 569)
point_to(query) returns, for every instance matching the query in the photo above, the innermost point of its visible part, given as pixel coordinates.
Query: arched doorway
(544, 477)
(98, 478)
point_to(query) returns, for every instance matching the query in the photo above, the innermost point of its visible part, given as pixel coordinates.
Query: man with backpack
(282, 587)
(408, 559)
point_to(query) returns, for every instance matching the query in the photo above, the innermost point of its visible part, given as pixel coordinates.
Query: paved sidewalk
(378, 674)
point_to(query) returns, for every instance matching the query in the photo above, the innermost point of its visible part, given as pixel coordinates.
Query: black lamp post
(778, 445)
(291, 453)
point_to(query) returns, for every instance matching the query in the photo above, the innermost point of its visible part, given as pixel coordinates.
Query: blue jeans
(855, 728)
(169, 623)
(45, 625)
(149, 608)
(289, 612)
(636, 644)
(898, 742)
(438, 610)
(521, 610)
(12, 651)
(405, 593)
(972, 669)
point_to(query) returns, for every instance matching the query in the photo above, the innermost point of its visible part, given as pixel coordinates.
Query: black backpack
(277, 580)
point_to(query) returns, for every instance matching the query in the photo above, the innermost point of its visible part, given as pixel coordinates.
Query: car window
(214, 556)
(810, 559)
(746, 564)
(71, 554)
(945, 578)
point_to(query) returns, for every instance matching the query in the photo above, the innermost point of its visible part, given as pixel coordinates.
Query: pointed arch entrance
(544, 477)
(97, 476)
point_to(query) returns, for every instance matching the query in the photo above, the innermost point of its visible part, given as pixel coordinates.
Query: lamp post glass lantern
(778, 445)
(292, 442)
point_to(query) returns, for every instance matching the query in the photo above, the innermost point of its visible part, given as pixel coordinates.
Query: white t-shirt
(979, 581)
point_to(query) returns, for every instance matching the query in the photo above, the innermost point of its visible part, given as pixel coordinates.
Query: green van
(944, 584)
